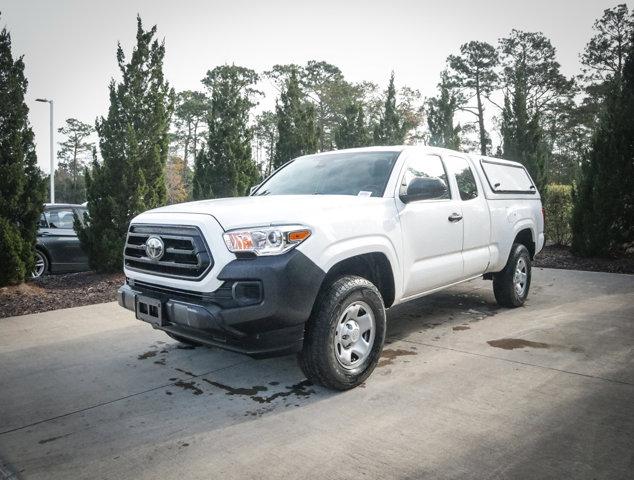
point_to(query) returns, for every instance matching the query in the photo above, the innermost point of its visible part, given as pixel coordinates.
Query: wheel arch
(373, 266)
(526, 237)
(46, 253)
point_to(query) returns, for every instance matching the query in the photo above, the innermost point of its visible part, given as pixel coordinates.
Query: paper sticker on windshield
(363, 193)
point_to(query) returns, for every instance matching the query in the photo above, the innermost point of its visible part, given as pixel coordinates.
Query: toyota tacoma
(309, 262)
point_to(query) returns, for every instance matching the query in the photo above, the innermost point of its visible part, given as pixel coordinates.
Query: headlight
(266, 240)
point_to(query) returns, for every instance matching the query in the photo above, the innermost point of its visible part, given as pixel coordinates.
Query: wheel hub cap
(354, 335)
(351, 333)
(520, 277)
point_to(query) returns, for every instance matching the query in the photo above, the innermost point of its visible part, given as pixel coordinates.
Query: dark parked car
(58, 249)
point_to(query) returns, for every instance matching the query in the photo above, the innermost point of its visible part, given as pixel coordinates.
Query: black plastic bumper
(260, 310)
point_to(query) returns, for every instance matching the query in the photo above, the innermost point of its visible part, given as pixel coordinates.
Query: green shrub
(558, 213)
(12, 246)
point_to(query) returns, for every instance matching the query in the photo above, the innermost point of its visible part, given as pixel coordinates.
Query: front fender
(350, 247)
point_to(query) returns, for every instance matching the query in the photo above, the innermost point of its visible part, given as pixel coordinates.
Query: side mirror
(423, 188)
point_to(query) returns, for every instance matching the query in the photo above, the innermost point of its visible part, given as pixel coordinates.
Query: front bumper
(267, 320)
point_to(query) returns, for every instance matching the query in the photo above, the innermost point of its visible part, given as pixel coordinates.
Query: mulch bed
(59, 291)
(75, 289)
(560, 257)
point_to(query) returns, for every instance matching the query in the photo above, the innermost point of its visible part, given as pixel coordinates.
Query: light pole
(50, 102)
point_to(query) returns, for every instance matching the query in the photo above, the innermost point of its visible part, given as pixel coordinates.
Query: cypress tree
(440, 115)
(522, 134)
(297, 134)
(603, 215)
(225, 168)
(352, 130)
(390, 129)
(22, 187)
(133, 141)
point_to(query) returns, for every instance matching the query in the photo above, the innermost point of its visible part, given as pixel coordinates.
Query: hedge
(558, 213)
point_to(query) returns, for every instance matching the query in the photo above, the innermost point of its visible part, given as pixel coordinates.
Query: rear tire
(512, 284)
(344, 335)
(41, 265)
(186, 341)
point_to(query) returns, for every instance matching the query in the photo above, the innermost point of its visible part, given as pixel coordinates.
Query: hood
(256, 211)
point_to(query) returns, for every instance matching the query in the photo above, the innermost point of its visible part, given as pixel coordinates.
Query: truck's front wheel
(345, 334)
(511, 285)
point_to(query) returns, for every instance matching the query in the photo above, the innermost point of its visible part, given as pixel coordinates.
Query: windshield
(347, 173)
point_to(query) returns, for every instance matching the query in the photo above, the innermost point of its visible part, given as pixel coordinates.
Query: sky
(69, 45)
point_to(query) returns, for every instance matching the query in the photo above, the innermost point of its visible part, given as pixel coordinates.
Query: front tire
(345, 334)
(512, 284)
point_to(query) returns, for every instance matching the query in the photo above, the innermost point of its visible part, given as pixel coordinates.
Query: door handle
(455, 217)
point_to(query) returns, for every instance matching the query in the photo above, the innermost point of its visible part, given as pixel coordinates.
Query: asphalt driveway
(465, 390)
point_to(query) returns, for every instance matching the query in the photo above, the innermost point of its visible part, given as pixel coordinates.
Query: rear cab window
(507, 178)
(460, 168)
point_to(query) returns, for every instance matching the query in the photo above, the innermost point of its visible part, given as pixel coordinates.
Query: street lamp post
(52, 153)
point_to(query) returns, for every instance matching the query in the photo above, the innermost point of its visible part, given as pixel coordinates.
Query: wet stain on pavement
(460, 328)
(189, 386)
(388, 356)
(148, 354)
(513, 343)
(299, 390)
(186, 372)
(237, 391)
(52, 439)
(160, 362)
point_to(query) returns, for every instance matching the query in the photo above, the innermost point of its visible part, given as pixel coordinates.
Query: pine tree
(134, 142)
(225, 168)
(265, 135)
(22, 187)
(474, 70)
(603, 215)
(190, 114)
(390, 130)
(71, 157)
(297, 134)
(352, 130)
(440, 115)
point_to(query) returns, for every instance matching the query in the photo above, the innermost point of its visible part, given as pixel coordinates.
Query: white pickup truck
(309, 261)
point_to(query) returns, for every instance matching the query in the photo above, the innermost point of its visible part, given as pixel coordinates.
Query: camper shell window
(507, 178)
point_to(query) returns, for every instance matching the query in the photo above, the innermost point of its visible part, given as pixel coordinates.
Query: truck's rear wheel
(511, 285)
(345, 334)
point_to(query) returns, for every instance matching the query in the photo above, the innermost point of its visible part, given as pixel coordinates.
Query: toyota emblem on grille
(154, 248)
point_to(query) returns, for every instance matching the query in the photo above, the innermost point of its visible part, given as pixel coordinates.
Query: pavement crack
(11, 430)
(519, 362)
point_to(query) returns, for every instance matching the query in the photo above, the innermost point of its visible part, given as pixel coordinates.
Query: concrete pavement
(465, 390)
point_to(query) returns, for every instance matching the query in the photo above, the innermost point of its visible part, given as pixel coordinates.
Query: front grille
(186, 254)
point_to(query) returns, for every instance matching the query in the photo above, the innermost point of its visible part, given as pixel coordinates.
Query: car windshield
(346, 173)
